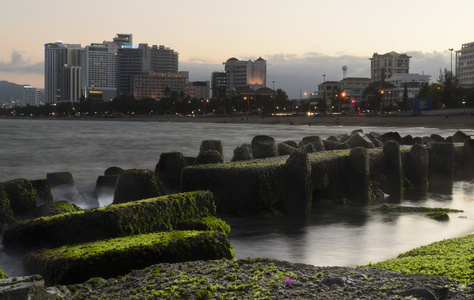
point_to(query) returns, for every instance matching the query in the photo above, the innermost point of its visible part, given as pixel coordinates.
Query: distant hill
(9, 90)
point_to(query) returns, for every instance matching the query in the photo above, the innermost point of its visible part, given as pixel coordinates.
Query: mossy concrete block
(56, 208)
(291, 143)
(105, 184)
(468, 154)
(441, 165)
(57, 179)
(407, 140)
(113, 171)
(358, 176)
(209, 157)
(459, 162)
(307, 148)
(416, 167)
(114, 257)
(238, 189)
(332, 145)
(43, 190)
(359, 140)
(136, 184)
(6, 213)
(285, 149)
(436, 138)
(212, 145)
(22, 195)
(460, 137)
(297, 196)
(390, 136)
(169, 168)
(393, 183)
(263, 146)
(149, 215)
(316, 141)
(243, 152)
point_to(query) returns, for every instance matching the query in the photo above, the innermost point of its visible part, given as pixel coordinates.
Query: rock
(209, 157)
(316, 141)
(407, 140)
(63, 187)
(359, 140)
(376, 142)
(460, 137)
(419, 293)
(437, 138)
(357, 130)
(373, 135)
(390, 136)
(243, 152)
(136, 184)
(331, 145)
(332, 138)
(6, 213)
(291, 143)
(43, 190)
(307, 148)
(105, 185)
(27, 287)
(263, 146)
(418, 140)
(113, 171)
(212, 145)
(169, 168)
(285, 149)
(21, 194)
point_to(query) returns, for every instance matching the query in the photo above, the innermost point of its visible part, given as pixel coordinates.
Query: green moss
(66, 207)
(132, 218)
(109, 258)
(452, 258)
(386, 208)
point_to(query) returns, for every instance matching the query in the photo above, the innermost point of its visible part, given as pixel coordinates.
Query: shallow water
(31, 148)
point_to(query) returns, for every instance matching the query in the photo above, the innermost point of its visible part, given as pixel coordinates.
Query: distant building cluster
(113, 68)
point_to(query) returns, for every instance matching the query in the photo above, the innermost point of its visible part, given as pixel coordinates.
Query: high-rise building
(164, 60)
(245, 73)
(218, 85)
(465, 65)
(383, 66)
(58, 59)
(31, 96)
(131, 61)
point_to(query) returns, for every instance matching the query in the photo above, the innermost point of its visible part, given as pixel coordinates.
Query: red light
(353, 101)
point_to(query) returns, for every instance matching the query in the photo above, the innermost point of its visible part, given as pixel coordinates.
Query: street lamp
(324, 89)
(451, 50)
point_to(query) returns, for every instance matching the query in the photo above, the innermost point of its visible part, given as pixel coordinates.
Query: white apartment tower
(245, 73)
(383, 66)
(465, 65)
(31, 96)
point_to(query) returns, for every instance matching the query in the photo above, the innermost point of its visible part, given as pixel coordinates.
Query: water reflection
(352, 236)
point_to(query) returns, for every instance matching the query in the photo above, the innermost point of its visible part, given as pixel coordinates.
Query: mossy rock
(114, 257)
(43, 189)
(243, 152)
(56, 208)
(145, 216)
(212, 145)
(6, 213)
(136, 184)
(57, 179)
(209, 157)
(22, 195)
(210, 223)
(169, 168)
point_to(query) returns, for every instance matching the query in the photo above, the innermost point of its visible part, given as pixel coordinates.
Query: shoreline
(459, 122)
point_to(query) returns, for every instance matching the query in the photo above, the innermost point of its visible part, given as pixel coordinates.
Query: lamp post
(451, 50)
(324, 89)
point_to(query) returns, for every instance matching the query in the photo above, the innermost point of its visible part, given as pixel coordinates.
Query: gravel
(265, 279)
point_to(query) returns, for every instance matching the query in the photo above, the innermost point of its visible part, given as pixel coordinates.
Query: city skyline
(300, 40)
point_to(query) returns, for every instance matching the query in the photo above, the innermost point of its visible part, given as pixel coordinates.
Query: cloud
(19, 64)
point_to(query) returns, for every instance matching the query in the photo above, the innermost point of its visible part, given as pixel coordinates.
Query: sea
(31, 148)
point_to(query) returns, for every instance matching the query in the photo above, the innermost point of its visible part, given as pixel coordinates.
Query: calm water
(31, 148)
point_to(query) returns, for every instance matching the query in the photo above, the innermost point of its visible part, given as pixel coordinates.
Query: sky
(300, 39)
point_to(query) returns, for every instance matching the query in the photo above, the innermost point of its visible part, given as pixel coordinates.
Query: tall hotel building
(62, 80)
(100, 67)
(465, 65)
(245, 73)
(383, 66)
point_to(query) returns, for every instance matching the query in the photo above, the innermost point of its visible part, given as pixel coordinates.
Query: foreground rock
(267, 279)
